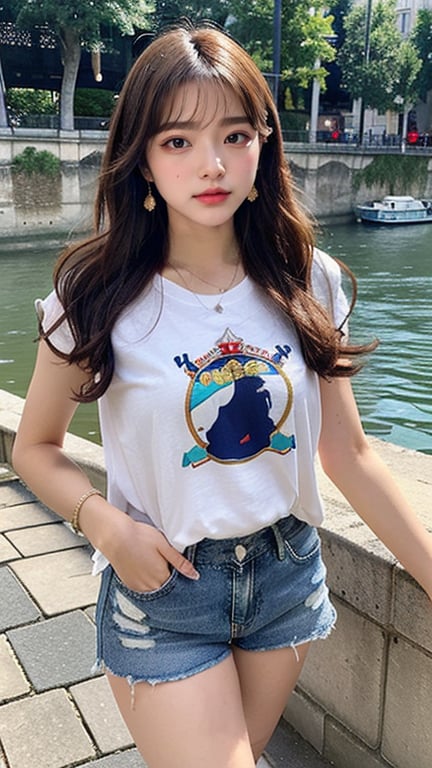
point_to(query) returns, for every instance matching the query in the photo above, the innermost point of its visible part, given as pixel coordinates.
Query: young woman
(213, 335)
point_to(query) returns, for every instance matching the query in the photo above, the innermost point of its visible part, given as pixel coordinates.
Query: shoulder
(50, 311)
(324, 269)
(325, 276)
(326, 282)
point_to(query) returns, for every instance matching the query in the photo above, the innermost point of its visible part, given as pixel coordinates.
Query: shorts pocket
(153, 594)
(303, 542)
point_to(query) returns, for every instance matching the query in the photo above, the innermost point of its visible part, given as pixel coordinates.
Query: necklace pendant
(218, 308)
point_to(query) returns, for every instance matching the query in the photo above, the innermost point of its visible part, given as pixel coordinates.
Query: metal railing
(52, 122)
(346, 140)
(369, 140)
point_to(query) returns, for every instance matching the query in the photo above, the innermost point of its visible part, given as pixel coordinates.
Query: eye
(238, 138)
(176, 143)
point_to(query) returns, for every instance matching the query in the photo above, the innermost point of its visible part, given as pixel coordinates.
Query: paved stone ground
(53, 712)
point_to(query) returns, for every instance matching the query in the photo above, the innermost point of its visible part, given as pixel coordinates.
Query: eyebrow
(194, 125)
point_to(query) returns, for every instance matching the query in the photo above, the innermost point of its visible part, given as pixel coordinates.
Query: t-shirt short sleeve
(49, 310)
(327, 288)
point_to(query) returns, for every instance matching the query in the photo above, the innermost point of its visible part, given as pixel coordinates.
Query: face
(204, 159)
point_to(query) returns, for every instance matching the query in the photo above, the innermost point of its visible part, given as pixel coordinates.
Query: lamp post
(316, 88)
(3, 111)
(277, 25)
(313, 126)
(366, 59)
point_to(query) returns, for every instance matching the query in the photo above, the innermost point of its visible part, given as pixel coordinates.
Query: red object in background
(335, 135)
(412, 137)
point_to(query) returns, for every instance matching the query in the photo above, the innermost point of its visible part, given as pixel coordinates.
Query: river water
(394, 271)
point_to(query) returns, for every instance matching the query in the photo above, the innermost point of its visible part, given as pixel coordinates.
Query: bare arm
(138, 552)
(368, 486)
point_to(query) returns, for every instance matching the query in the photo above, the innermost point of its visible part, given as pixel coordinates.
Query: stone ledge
(87, 454)
(343, 749)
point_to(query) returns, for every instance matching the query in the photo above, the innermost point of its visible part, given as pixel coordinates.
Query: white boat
(395, 209)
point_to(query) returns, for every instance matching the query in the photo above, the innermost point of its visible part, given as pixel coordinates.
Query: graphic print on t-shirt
(238, 398)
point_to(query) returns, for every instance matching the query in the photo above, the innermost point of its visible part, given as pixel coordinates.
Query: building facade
(407, 11)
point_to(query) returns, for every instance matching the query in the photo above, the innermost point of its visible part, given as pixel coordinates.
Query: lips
(212, 196)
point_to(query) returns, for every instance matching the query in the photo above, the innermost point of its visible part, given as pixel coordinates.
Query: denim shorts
(259, 592)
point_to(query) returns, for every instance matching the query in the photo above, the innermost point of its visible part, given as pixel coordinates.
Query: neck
(204, 272)
(203, 251)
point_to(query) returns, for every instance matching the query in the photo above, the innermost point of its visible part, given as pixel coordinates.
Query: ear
(264, 137)
(146, 173)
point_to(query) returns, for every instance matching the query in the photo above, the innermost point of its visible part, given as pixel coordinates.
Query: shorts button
(240, 552)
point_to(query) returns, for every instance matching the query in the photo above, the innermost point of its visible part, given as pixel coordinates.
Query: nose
(211, 164)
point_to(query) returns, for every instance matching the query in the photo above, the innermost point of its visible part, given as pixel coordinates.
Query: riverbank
(323, 173)
(364, 695)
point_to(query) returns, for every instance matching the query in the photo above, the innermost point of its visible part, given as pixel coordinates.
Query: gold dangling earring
(149, 201)
(253, 194)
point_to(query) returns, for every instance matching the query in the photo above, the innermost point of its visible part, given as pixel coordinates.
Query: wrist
(103, 524)
(76, 514)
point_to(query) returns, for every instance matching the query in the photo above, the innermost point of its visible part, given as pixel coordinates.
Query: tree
(385, 79)
(405, 86)
(370, 80)
(251, 23)
(422, 39)
(307, 40)
(304, 37)
(77, 24)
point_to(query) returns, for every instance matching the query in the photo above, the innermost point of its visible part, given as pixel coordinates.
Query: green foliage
(408, 66)
(78, 24)
(32, 161)
(394, 173)
(252, 24)
(29, 101)
(304, 36)
(387, 79)
(422, 38)
(92, 102)
(294, 121)
(82, 17)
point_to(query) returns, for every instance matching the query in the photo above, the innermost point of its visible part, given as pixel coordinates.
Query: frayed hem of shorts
(321, 635)
(100, 666)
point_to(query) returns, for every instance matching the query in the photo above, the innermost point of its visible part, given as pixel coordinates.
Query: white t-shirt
(211, 421)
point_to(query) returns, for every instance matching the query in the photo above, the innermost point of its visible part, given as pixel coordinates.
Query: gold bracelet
(78, 506)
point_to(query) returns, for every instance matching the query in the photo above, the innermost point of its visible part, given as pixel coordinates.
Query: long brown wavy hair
(98, 278)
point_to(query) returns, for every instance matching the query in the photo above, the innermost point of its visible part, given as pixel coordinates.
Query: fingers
(180, 563)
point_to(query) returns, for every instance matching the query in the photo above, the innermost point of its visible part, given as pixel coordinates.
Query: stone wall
(325, 178)
(323, 174)
(38, 204)
(364, 696)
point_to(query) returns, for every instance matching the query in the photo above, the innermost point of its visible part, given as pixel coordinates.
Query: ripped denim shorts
(259, 592)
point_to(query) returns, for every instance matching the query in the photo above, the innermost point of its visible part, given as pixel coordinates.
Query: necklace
(218, 306)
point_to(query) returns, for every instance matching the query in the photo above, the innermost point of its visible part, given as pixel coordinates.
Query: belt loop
(189, 553)
(280, 543)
